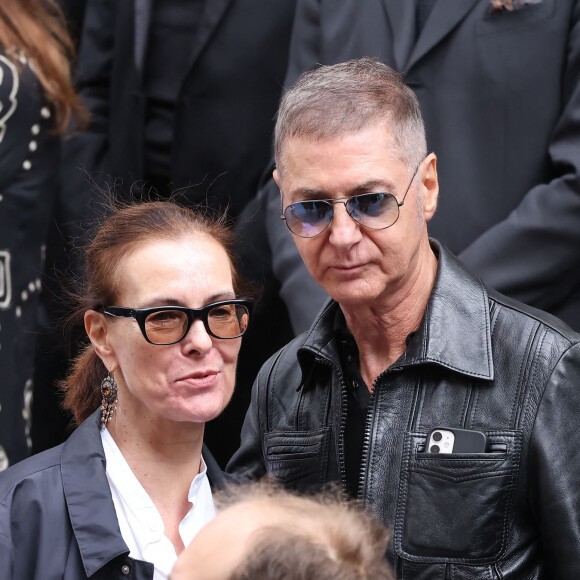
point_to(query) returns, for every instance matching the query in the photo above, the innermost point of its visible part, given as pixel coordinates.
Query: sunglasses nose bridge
(346, 222)
(345, 202)
(342, 201)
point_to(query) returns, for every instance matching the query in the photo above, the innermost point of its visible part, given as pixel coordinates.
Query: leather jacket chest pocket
(456, 508)
(298, 458)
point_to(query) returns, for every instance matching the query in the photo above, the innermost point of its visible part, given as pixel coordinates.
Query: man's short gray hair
(346, 98)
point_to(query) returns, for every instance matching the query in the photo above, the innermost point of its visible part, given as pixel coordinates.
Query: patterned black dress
(29, 173)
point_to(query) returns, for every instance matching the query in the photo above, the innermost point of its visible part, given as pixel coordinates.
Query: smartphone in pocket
(453, 440)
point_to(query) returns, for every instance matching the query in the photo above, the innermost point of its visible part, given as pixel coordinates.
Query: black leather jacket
(478, 361)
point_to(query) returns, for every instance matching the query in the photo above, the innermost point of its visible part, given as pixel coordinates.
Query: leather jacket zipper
(367, 439)
(343, 414)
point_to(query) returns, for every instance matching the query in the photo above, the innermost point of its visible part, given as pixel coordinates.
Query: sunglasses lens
(228, 320)
(166, 326)
(308, 218)
(374, 210)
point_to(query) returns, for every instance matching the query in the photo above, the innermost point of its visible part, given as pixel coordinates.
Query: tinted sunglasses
(376, 211)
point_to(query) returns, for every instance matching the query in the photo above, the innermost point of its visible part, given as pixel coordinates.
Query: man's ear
(429, 186)
(97, 331)
(277, 179)
(276, 176)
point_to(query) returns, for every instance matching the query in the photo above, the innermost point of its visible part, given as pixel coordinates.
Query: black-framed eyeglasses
(165, 325)
(376, 211)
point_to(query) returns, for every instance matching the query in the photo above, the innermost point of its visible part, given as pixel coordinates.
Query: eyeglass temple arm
(114, 311)
(400, 203)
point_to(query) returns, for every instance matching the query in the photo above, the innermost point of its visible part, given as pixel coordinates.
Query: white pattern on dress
(5, 280)
(8, 73)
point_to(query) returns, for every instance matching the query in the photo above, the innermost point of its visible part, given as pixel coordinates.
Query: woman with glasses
(131, 487)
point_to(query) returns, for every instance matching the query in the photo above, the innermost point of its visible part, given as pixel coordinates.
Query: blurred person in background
(37, 102)
(75, 14)
(262, 532)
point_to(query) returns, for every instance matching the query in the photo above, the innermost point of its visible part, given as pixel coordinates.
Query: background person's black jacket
(500, 96)
(478, 361)
(225, 109)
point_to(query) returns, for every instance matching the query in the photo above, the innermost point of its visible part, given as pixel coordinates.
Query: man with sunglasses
(446, 407)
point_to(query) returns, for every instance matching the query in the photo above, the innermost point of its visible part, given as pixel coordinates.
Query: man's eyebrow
(371, 186)
(374, 186)
(306, 193)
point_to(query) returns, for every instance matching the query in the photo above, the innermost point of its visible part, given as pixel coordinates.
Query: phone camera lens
(434, 448)
(437, 436)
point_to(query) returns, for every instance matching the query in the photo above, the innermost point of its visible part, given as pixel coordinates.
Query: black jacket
(224, 111)
(57, 517)
(478, 361)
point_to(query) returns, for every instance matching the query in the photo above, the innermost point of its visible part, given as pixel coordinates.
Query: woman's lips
(200, 379)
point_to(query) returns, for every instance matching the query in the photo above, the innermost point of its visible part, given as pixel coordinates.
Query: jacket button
(125, 569)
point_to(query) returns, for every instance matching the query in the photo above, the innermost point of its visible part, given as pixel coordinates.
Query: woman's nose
(197, 338)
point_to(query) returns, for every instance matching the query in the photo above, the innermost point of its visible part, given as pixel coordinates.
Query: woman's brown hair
(37, 29)
(122, 232)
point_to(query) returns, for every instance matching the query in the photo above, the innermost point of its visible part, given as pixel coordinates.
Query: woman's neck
(165, 458)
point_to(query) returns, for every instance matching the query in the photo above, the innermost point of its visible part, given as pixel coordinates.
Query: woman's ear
(97, 331)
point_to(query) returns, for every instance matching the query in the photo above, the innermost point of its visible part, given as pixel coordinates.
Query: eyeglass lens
(372, 210)
(224, 321)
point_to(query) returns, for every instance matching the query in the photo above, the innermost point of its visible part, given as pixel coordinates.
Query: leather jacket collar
(455, 332)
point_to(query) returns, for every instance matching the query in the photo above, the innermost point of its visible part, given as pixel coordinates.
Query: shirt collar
(128, 484)
(141, 523)
(88, 496)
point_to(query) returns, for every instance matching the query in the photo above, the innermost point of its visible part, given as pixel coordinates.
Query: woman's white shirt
(139, 520)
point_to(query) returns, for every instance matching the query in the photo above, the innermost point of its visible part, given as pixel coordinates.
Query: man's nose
(344, 230)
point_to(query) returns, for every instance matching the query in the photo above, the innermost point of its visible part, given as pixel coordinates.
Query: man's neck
(381, 329)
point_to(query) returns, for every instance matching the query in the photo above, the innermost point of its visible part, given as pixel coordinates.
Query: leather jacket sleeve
(248, 460)
(555, 467)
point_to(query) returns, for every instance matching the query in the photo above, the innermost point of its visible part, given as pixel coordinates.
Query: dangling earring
(109, 403)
